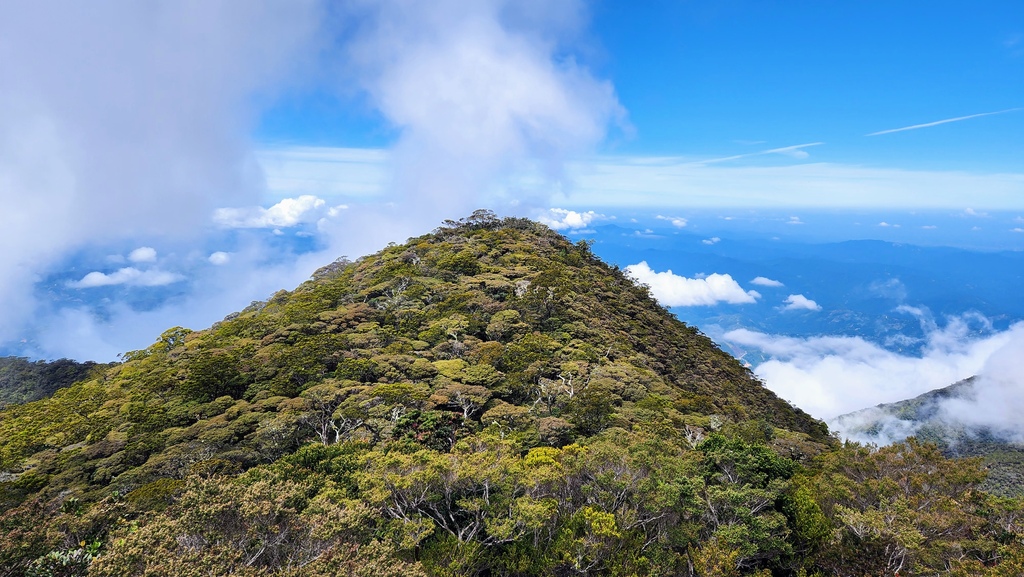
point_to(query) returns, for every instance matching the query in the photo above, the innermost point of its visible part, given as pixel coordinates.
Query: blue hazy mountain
(866, 288)
(863, 275)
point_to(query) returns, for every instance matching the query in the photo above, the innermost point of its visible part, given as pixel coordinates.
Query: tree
(467, 398)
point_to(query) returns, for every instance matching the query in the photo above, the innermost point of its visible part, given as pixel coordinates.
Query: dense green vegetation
(22, 380)
(489, 399)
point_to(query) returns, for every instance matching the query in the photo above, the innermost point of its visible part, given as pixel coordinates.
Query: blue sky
(167, 163)
(719, 79)
(820, 104)
(700, 77)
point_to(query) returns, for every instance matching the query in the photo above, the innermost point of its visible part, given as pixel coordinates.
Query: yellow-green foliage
(488, 399)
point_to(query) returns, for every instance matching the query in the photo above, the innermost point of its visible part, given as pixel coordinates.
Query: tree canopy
(488, 399)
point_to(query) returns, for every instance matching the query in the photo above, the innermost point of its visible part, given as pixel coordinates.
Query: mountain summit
(487, 399)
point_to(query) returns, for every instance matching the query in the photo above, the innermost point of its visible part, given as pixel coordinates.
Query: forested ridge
(22, 380)
(488, 399)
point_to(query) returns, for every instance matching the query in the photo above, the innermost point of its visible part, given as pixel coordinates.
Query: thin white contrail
(782, 150)
(938, 122)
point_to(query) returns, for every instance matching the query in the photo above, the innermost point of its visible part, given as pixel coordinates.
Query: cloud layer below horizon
(828, 376)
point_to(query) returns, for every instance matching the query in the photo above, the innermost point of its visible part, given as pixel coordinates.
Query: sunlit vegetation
(489, 399)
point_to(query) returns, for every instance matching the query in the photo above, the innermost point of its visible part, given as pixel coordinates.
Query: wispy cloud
(765, 281)
(796, 151)
(677, 183)
(677, 221)
(129, 276)
(293, 171)
(938, 122)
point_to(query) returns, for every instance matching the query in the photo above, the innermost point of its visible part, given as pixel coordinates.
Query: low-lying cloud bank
(992, 403)
(828, 376)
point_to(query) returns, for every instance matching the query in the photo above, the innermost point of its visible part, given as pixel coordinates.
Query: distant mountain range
(861, 285)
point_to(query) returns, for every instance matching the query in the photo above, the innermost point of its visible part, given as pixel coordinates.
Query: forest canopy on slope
(487, 399)
(22, 380)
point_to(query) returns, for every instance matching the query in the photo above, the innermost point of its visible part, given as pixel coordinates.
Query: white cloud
(561, 219)
(672, 290)
(829, 376)
(143, 254)
(800, 302)
(220, 258)
(130, 276)
(764, 281)
(884, 224)
(286, 213)
(120, 123)
(712, 240)
(677, 221)
(997, 401)
(477, 91)
(1017, 229)
(122, 120)
(929, 227)
(794, 220)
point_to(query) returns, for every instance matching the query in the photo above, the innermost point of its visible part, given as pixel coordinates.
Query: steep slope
(488, 399)
(508, 307)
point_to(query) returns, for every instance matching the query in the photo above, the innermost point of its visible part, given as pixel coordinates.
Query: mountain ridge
(487, 399)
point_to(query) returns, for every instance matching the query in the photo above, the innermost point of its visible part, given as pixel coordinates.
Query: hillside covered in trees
(22, 380)
(489, 399)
